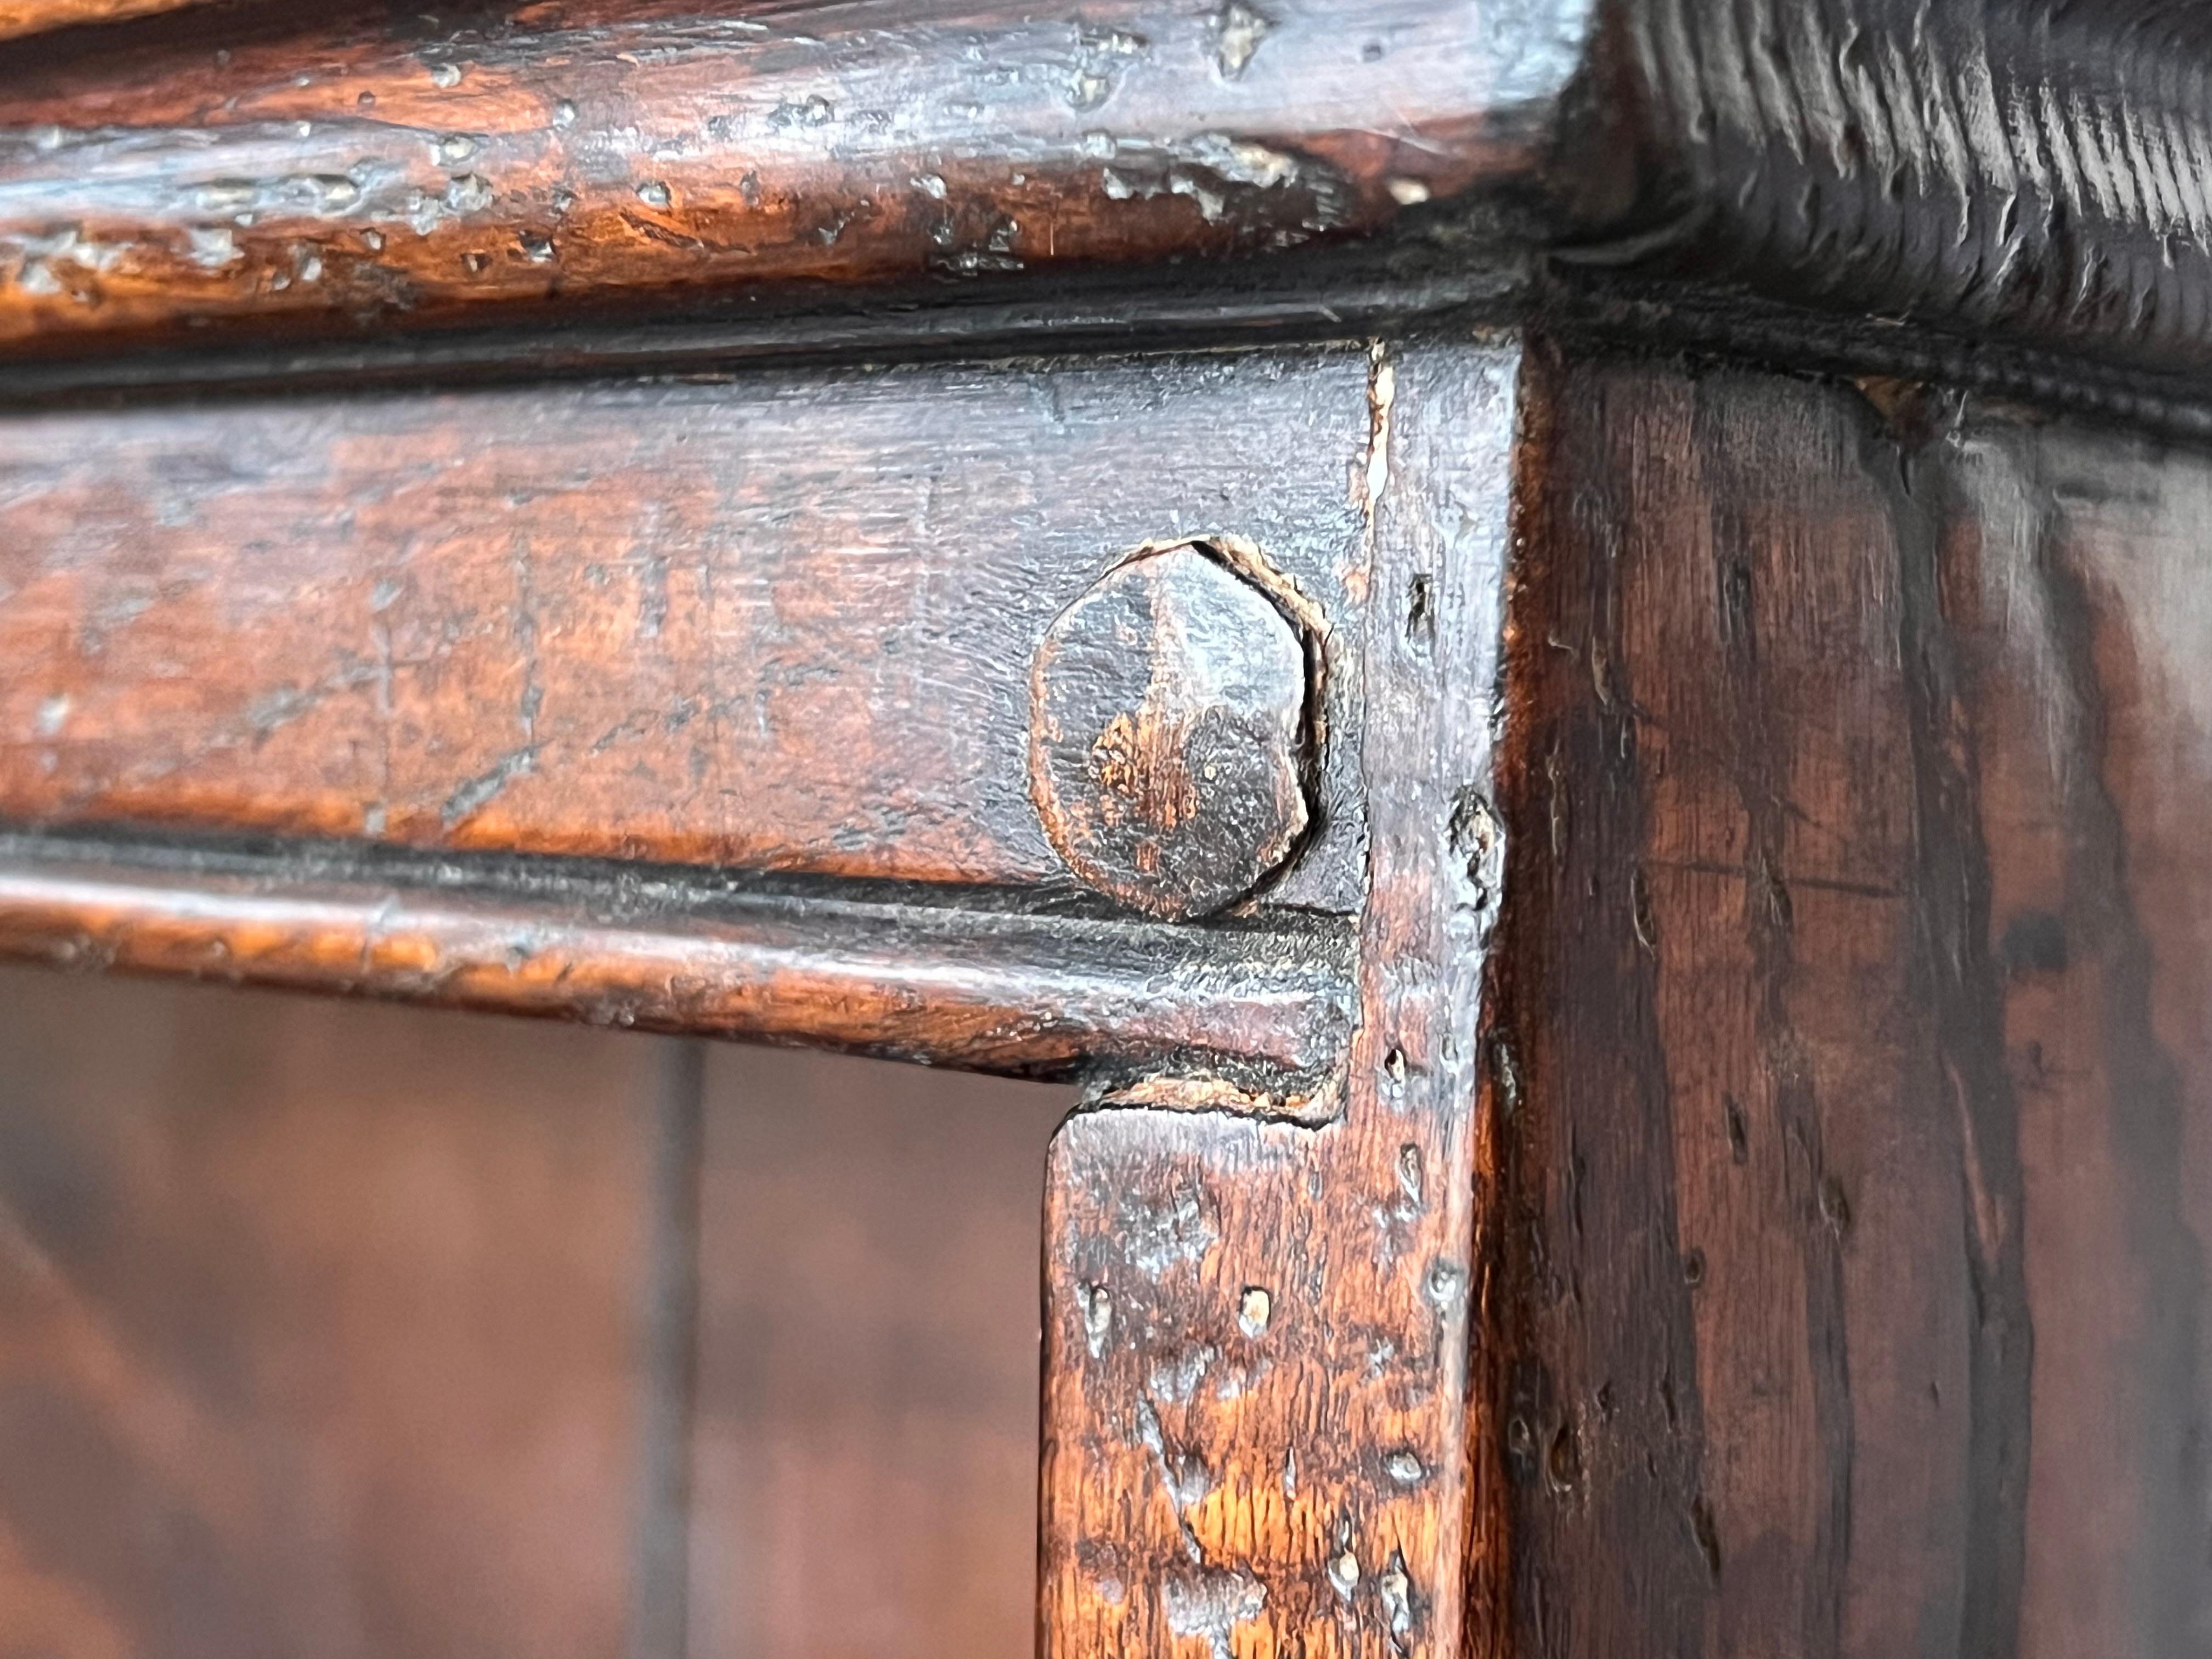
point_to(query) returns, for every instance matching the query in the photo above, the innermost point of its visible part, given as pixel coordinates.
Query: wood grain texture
(311, 173)
(1847, 990)
(1256, 1437)
(318, 1327)
(330, 1330)
(866, 1458)
(786, 623)
(20, 17)
(2008, 169)
(1263, 1015)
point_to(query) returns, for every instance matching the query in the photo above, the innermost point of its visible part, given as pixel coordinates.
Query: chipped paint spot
(1178, 1378)
(1212, 1605)
(1097, 1317)
(1157, 1236)
(1237, 32)
(1397, 1590)
(1253, 1309)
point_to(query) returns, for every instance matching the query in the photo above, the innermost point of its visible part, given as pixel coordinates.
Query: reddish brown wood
(782, 624)
(987, 988)
(1845, 996)
(1257, 1431)
(326, 1330)
(318, 1326)
(19, 17)
(311, 173)
(866, 1440)
(1169, 739)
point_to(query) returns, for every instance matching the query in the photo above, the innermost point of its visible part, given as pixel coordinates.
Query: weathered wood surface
(295, 170)
(324, 1332)
(2005, 169)
(1850, 1237)
(1257, 1432)
(985, 987)
(19, 17)
(784, 623)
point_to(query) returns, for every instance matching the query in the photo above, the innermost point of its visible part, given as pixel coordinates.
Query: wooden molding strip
(2009, 169)
(1263, 1014)
(324, 176)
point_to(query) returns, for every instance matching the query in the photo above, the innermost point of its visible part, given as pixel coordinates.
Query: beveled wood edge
(1251, 1019)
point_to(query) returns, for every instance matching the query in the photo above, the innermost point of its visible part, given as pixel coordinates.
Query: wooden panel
(866, 1461)
(1852, 994)
(320, 1327)
(332, 1330)
(313, 174)
(1257, 1336)
(991, 987)
(2073, 571)
(781, 624)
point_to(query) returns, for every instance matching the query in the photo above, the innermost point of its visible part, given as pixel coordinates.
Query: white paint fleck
(1253, 1309)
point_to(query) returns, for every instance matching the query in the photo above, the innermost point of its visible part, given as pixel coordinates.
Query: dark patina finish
(1167, 731)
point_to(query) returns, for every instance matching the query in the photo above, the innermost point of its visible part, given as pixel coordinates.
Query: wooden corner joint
(1260, 1436)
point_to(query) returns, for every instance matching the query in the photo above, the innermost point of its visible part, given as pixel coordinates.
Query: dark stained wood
(2003, 170)
(1849, 1057)
(1257, 1436)
(786, 623)
(987, 988)
(1168, 736)
(866, 1465)
(295, 170)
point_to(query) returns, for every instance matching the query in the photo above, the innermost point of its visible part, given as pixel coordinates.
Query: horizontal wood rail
(2006, 170)
(298, 173)
(786, 625)
(1225, 1018)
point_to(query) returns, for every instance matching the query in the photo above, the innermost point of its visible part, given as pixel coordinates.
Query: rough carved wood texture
(1852, 1028)
(304, 173)
(323, 1335)
(785, 623)
(2010, 168)
(1257, 1340)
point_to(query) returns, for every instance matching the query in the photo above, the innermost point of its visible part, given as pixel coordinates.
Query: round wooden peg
(1167, 734)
